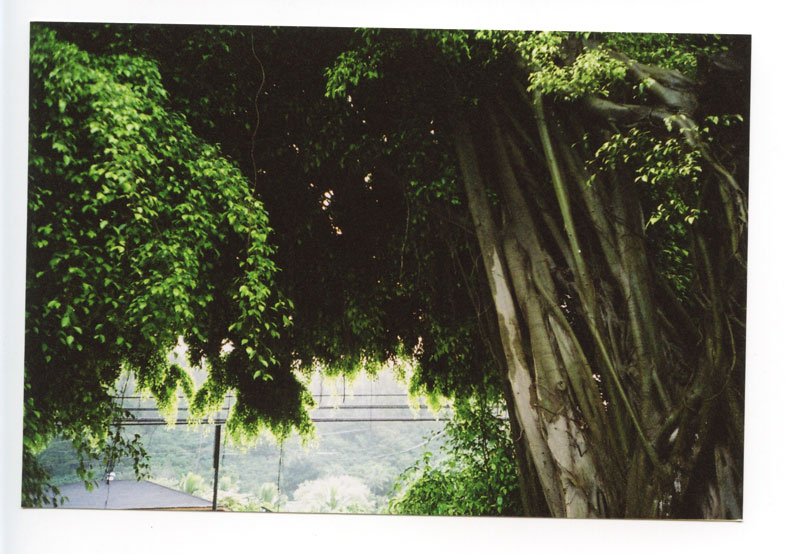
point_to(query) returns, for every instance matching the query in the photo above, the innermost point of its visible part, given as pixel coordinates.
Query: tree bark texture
(627, 400)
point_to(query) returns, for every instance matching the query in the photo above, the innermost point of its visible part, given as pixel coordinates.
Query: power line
(221, 415)
(347, 407)
(160, 421)
(349, 395)
(423, 443)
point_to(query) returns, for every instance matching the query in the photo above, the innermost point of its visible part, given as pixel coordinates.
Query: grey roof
(129, 495)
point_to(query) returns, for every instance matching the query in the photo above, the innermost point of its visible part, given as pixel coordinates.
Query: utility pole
(217, 433)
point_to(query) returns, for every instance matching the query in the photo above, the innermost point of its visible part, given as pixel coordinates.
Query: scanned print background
(764, 269)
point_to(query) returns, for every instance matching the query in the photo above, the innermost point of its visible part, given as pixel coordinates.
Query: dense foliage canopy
(140, 233)
(561, 215)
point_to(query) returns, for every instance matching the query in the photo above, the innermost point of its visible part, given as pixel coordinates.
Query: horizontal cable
(156, 421)
(348, 395)
(348, 407)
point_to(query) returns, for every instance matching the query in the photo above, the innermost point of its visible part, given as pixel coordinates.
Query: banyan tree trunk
(626, 398)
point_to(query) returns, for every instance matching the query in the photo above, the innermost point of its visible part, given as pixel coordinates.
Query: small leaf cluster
(667, 172)
(558, 70)
(351, 67)
(669, 51)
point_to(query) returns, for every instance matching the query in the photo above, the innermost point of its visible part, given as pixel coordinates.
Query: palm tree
(191, 483)
(337, 494)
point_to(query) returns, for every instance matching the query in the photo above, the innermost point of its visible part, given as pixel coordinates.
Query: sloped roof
(130, 495)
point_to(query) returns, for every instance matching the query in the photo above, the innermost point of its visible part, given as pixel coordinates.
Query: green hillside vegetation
(374, 453)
